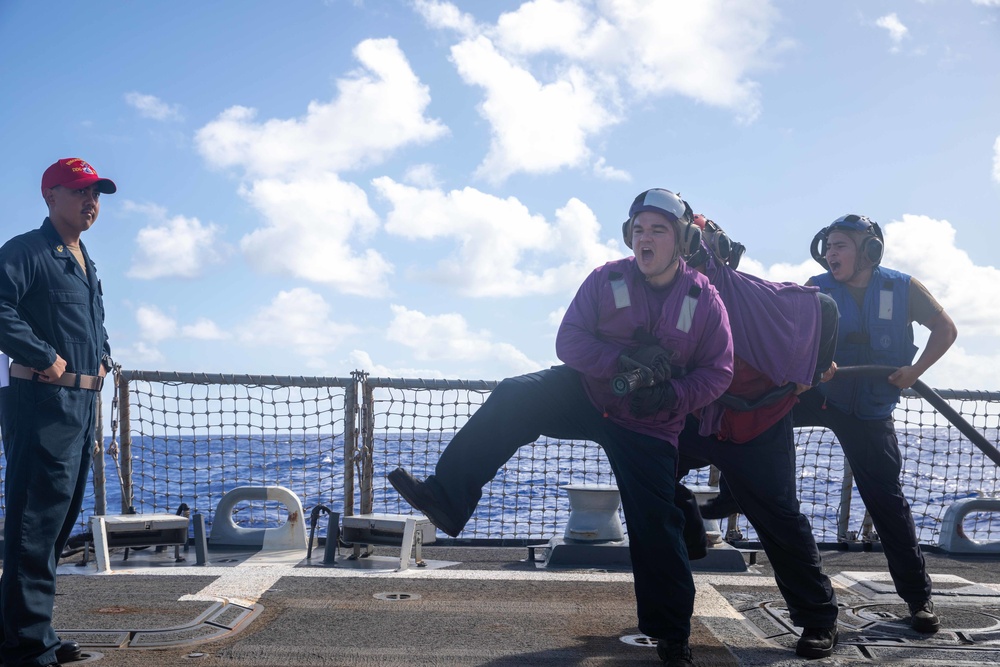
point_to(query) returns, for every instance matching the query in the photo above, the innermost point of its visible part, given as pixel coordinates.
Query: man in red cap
(52, 327)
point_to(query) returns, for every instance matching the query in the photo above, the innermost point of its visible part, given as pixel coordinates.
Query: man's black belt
(75, 380)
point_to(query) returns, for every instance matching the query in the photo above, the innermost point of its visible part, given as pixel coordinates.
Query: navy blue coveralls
(761, 476)
(860, 414)
(48, 306)
(552, 402)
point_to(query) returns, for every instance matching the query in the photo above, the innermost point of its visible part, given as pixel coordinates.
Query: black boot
(674, 654)
(422, 499)
(69, 651)
(816, 642)
(922, 617)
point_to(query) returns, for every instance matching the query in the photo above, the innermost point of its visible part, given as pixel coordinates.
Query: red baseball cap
(74, 173)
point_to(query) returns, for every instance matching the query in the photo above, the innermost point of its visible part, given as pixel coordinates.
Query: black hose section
(932, 397)
(313, 520)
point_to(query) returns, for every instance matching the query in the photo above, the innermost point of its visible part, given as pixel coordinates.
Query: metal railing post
(97, 463)
(367, 446)
(844, 512)
(350, 441)
(125, 446)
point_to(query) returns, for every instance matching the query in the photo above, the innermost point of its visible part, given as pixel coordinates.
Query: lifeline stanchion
(332, 534)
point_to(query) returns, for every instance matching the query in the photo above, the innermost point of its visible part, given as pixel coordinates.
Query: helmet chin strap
(859, 261)
(667, 268)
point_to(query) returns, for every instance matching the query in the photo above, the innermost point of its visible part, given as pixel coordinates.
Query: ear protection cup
(690, 239)
(627, 233)
(873, 246)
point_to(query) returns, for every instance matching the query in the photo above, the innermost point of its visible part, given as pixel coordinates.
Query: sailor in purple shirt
(650, 314)
(784, 335)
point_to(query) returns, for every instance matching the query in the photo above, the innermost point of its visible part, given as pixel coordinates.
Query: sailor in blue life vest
(784, 336)
(648, 311)
(52, 327)
(877, 309)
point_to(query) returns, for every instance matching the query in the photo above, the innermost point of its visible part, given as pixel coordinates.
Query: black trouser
(553, 403)
(48, 439)
(872, 449)
(761, 476)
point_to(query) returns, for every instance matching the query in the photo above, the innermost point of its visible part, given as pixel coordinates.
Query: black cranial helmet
(872, 244)
(675, 209)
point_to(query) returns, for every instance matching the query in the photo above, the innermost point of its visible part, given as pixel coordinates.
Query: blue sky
(418, 188)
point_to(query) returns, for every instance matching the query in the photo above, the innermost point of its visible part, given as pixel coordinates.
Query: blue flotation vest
(878, 333)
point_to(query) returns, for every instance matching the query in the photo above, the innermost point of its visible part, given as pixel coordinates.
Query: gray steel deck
(489, 606)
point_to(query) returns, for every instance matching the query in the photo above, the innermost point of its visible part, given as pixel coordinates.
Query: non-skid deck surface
(491, 607)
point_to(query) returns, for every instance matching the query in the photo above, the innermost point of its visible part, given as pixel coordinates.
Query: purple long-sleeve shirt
(775, 328)
(687, 317)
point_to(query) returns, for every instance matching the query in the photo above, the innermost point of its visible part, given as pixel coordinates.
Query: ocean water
(525, 500)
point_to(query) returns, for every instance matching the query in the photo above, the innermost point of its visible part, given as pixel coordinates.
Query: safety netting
(182, 441)
(188, 439)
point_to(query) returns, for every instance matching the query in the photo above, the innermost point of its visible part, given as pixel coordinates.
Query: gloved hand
(648, 401)
(653, 357)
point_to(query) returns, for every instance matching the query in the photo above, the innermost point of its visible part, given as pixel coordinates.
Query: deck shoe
(674, 654)
(922, 617)
(69, 651)
(421, 499)
(816, 642)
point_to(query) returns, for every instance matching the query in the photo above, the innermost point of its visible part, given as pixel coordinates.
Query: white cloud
(138, 355)
(926, 248)
(312, 226)
(536, 127)
(602, 170)
(361, 360)
(314, 220)
(701, 50)
(154, 324)
(448, 338)
(996, 157)
(422, 176)
(555, 73)
(178, 247)
(897, 31)
(782, 271)
(550, 25)
(446, 15)
(962, 369)
(153, 107)
(987, 3)
(153, 211)
(386, 99)
(503, 249)
(204, 329)
(298, 321)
